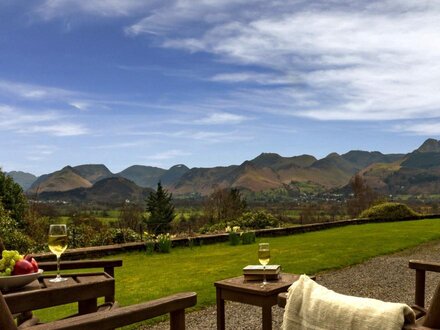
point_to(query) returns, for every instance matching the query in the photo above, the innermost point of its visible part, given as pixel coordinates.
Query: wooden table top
(272, 287)
(41, 293)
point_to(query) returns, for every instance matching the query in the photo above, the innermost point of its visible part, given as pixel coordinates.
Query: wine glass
(264, 257)
(57, 245)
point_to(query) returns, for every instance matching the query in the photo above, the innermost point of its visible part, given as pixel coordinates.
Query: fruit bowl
(17, 281)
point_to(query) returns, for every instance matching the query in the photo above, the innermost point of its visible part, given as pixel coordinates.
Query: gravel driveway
(386, 277)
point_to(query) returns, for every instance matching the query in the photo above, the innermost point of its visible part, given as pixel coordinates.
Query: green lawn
(144, 277)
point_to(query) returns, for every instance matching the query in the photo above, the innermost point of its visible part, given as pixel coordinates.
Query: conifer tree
(161, 210)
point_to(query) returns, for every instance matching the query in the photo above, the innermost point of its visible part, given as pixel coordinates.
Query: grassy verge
(144, 277)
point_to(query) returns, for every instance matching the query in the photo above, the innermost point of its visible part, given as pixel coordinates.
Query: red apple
(33, 262)
(22, 267)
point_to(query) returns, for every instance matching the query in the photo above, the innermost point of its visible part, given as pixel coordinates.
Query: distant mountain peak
(93, 172)
(179, 166)
(24, 179)
(430, 145)
(266, 159)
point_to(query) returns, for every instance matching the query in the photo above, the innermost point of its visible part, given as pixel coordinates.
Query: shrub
(102, 238)
(12, 238)
(164, 243)
(150, 242)
(13, 200)
(248, 237)
(124, 235)
(37, 227)
(80, 235)
(249, 220)
(257, 220)
(389, 211)
(234, 238)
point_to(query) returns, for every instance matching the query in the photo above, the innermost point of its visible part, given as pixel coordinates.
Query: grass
(144, 277)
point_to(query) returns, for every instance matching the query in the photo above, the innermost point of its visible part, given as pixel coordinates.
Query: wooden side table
(82, 288)
(251, 292)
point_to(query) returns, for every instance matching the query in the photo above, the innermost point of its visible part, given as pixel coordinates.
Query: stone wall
(100, 251)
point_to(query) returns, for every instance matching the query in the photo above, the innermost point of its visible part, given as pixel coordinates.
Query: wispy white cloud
(41, 94)
(169, 154)
(40, 152)
(174, 14)
(423, 129)
(121, 145)
(44, 149)
(340, 60)
(367, 61)
(51, 123)
(35, 92)
(12, 118)
(58, 129)
(221, 118)
(80, 105)
(256, 78)
(49, 9)
(200, 136)
(219, 137)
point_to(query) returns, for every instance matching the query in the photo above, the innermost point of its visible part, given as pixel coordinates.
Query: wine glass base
(58, 279)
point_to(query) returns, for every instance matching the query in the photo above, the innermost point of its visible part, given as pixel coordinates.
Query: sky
(213, 82)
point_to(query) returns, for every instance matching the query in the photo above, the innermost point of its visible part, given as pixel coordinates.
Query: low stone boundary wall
(100, 251)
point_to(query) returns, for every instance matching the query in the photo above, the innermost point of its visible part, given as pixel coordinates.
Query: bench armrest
(174, 304)
(421, 267)
(424, 265)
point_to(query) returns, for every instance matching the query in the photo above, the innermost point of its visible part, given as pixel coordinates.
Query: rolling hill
(25, 180)
(93, 172)
(108, 191)
(63, 180)
(143, 176)
(416, 173)
(272, 171)
(413, 173)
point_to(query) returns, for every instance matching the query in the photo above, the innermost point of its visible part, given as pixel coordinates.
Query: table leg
(267, 317)
(220, 310)
(87, 306)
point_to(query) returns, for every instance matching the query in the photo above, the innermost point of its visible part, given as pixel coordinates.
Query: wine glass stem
(264, 274)
(58, 266)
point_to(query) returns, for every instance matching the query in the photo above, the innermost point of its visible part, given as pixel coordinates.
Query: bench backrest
(6, 319)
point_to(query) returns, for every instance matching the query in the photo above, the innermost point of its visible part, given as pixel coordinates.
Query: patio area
(386, 278)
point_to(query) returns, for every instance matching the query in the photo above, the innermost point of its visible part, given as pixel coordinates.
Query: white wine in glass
(264, 257)
(57, 245)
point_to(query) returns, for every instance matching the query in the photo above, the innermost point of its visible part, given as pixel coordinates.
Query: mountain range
(413, 173)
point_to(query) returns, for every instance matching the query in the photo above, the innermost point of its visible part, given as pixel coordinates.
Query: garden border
(100, 251)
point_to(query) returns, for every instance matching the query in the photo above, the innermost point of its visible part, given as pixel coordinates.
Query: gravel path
(386, 277)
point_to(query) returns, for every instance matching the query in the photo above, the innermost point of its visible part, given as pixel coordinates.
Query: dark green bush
(248, 237)
(249, 220)
(124, 235)
(13, 200)
(257, 220)
(389, 211)
(80, 235)
(234, 238)
(12, 238)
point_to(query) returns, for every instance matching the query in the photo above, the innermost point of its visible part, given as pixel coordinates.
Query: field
(144, 277)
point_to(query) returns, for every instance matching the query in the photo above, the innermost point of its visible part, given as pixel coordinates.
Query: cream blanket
(312, 306)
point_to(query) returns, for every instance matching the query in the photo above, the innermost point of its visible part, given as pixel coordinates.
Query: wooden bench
(175, 305)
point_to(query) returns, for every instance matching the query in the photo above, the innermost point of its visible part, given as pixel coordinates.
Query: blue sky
(213, 82)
